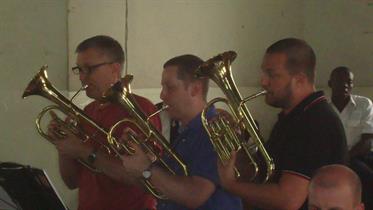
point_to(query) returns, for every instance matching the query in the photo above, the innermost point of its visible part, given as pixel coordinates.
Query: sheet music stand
(29, 188)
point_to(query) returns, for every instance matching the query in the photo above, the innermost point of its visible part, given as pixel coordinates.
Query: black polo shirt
(308, 137)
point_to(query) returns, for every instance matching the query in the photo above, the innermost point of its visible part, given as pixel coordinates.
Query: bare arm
(363, 146)
(68, 166)
(289, 193)
(189, 191)
(109, 165)
(71, 149)
(69, 170)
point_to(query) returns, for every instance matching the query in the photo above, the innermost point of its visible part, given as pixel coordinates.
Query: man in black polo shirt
(307, 135)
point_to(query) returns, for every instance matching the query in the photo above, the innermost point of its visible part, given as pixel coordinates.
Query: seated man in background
(99, 63)
(335, 187)
(356, 113)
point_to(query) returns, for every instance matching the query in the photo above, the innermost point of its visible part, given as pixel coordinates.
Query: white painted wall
(48, 31)
(161, 29)
(341, 33)
(32, 33)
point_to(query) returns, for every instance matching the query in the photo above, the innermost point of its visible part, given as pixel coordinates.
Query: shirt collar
(196, 122)
(352, 100)
(308, 102)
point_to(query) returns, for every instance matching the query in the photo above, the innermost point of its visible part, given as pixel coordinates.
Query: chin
(88, 95)
(92, 96)
(172, 115)
(269, 101)
(273, 103)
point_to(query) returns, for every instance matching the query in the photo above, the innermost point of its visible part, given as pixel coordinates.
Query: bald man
(335, 187)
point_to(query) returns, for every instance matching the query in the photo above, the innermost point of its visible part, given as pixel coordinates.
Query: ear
(196, 88)
(117, 70)
(301, 78)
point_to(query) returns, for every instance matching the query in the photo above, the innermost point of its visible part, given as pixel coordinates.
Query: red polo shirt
(99, 192)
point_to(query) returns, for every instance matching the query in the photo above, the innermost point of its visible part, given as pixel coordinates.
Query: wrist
(229, 185)
(147, 172)
(92, 156)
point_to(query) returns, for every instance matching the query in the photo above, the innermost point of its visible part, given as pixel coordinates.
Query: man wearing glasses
(99, 63)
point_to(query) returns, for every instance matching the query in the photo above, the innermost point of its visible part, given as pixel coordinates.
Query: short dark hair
(300, 56)
(340, 69)
(186, 65)
(106, 44)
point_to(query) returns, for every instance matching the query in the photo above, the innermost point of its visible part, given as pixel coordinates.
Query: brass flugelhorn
(121, 93)
(40, 85)
(223, 134)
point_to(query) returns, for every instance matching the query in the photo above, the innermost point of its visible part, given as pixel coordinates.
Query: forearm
(69, 170)
(359, 149)
(264, 196)
(108, 165)
(189, 191)
(362, 147)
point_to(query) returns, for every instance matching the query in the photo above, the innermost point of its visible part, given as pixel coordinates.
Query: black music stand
(28, 188)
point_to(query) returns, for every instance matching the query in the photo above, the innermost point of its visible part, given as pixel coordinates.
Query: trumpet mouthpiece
(165, 106)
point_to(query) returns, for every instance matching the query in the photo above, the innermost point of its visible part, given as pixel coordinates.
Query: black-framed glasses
(87, 69)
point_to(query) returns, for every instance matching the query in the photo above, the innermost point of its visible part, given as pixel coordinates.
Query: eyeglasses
(87, 69)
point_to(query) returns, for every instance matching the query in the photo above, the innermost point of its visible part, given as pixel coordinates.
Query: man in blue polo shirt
(186, 97)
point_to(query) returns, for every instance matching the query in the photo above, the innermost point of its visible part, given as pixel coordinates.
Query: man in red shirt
(99, 63)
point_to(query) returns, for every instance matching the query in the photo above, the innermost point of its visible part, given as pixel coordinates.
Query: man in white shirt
(356, 113)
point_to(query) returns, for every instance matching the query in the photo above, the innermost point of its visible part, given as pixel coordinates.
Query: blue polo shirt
(195, 149)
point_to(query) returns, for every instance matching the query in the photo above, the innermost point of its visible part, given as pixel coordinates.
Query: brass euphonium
(120, 93)
(223, 134)
(40, 85)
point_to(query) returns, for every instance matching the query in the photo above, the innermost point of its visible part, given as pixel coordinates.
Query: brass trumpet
(223, 134)
(40, 85)
(120, 93)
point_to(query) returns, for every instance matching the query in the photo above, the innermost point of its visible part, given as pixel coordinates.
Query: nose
(348, 84)
(162, 95)
(264, 80)
(82, 77)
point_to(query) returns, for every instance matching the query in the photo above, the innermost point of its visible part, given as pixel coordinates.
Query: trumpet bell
(41, 86)
(36, 85)
(121, 94)
(223, 136)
